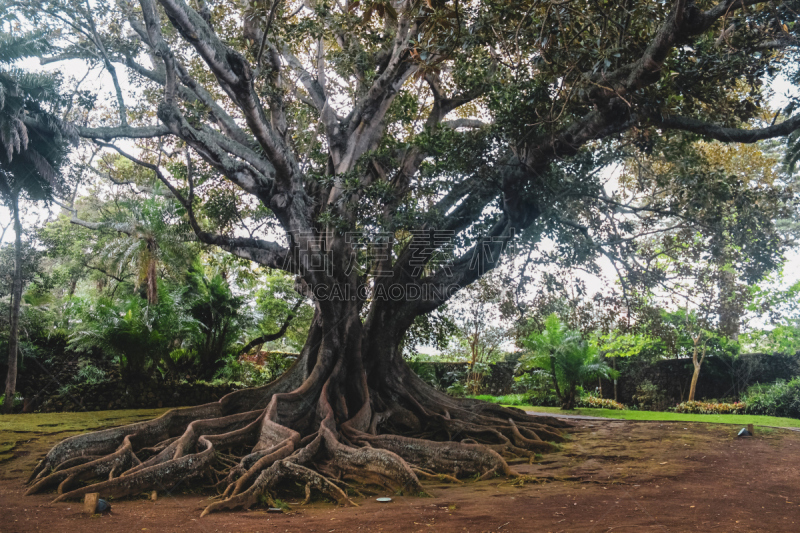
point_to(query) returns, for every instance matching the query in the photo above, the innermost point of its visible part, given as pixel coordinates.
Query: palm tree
(33, 146)
(563, 355)
(140, 234)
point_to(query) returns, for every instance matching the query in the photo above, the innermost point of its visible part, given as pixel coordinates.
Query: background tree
(779, 309)
(33, 140)
(693, 336)
(400, 144)
(480, 335)
(285, 315)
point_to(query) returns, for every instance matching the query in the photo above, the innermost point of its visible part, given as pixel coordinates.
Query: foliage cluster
(649, 396)
(565, 357)
(600, 403)
(778, 399)
(710, 408)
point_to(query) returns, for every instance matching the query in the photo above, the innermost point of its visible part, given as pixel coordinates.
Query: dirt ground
(612, 476)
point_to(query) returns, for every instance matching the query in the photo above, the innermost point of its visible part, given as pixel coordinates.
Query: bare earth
(612, 476)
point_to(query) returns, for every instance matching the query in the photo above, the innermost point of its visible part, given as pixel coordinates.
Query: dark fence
(720, 377)
(499, 380)
(145, 395)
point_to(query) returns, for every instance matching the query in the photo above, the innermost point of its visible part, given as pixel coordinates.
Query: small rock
(744, 433)
(103, 506)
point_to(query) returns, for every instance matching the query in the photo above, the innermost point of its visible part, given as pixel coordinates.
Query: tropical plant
(221, 318)
(141, 335)
(565, 357)
(136, 235)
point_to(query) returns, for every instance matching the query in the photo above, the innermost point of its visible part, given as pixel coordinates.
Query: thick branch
(721, 133)
(125, 132)
(269, 337)
(263, 252)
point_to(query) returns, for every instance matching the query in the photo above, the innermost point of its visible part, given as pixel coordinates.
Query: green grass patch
(25, 438)
(507, 399)
(58, 422)
(666, 416)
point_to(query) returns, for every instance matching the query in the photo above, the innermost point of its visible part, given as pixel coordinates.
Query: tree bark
(151, 276)
(16, 297)
(695, 376)
(697, 363)
(568, 403)
(561, 398)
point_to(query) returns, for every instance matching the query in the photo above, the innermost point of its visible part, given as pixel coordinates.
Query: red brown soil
(611, 476)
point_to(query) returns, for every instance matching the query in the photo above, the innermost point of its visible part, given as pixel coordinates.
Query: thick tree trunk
(697, 363)
(553, 375)
(568, 401)
(695, 377)
(16, 297)
(349, 410)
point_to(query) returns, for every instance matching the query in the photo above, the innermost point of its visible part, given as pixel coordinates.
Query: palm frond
(14, 47)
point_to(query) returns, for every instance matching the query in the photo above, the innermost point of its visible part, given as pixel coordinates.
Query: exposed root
(456, 457)
(75, 461)
(436, 477)
(269, 478)
(319, 433)
(122, 458)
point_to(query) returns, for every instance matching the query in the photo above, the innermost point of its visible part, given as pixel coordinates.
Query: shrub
(426, 372)
(507, 399)
(707, 408)
(649, 396)
(781, 398)
(543, 397)
(600, 403)
(537, 389)
(243, 373)
(457, 389)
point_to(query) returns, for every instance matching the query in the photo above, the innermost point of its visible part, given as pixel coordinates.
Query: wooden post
(90, 502)
(750, 429)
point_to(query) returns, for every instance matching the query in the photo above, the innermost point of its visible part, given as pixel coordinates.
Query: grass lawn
(34, 433)
(740, 420)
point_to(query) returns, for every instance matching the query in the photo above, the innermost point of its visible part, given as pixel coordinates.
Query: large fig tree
(389, 151)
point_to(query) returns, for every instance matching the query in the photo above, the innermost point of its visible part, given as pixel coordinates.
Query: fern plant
(565, 357)
(140, 335)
